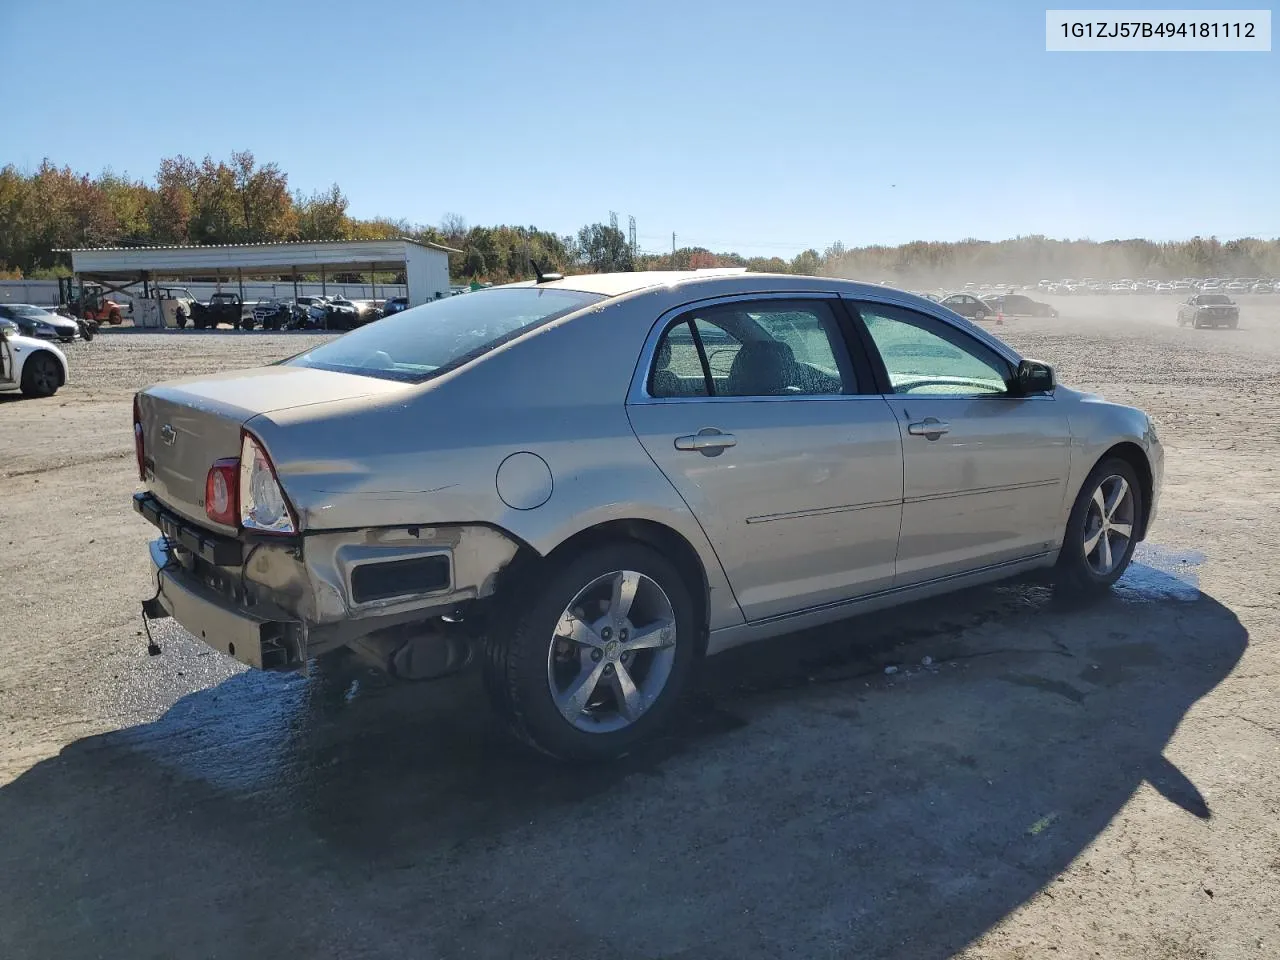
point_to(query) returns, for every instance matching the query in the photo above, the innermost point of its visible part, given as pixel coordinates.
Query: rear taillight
(263, 507)
(222, 492)
(139, 448)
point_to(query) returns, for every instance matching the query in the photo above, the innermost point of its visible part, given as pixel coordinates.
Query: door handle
(931, 428)
(708, 441)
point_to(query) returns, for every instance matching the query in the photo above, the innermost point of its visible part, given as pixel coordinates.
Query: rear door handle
(708, 441)
(931, 428)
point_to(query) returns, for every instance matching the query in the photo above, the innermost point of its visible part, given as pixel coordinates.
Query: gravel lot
(1067, 782)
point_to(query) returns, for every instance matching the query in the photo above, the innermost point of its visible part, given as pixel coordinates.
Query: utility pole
(673, 245)
(631, 237)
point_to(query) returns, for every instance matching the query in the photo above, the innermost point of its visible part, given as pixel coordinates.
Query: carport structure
(424, 265)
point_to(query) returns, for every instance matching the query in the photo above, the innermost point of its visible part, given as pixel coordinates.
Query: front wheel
(1102, 529)
(41, 375)
(594, 656)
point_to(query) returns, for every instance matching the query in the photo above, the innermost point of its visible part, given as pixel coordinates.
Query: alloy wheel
(1108, 525)
(612, 652)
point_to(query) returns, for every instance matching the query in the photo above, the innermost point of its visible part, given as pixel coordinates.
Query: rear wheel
(41, 375)
(1102, 529)
(594, 656)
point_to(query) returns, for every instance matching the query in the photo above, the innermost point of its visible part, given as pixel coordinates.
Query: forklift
(90, 303)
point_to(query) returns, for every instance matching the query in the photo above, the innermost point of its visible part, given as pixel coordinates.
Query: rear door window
(761, 348)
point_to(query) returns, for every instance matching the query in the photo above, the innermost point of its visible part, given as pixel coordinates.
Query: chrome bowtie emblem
(168, 435)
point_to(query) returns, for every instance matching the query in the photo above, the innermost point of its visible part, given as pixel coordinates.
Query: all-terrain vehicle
(222, 308)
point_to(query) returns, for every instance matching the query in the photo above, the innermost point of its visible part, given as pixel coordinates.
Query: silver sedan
(595, 481)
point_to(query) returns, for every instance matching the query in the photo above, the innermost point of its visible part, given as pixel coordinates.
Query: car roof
(709, 283)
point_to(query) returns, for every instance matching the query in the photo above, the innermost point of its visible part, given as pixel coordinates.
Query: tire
(86, 332)
(524, 657)
(980, 315)
(180, 318)
(1080, 572)
(114, 318)
(41, 375)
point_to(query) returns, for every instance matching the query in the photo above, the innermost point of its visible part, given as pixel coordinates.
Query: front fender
(1097, 425)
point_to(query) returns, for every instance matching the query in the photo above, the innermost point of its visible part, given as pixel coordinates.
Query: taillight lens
(221, 492)
(263, 506)
(139, 448)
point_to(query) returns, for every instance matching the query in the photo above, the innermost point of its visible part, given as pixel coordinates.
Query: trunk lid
(188, 424)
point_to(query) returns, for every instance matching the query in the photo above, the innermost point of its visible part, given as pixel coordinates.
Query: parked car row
(1185, 286)
(281, 313)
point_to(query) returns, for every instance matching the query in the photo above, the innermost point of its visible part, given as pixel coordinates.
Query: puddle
(1159, 573)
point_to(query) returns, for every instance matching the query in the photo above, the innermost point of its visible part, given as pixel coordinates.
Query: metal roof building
(425, 265)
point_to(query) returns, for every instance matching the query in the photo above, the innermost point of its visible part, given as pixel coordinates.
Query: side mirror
(1034, 377)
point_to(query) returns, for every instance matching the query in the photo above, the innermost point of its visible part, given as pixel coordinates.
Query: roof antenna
(544, 277)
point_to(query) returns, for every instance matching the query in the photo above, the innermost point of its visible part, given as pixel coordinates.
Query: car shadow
(889, 786)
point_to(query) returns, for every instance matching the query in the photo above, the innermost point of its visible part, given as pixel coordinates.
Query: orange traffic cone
(999, 316)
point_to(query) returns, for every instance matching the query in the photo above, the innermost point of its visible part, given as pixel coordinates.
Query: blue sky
(759, 127)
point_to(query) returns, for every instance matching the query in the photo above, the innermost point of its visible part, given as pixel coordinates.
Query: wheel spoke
(571, 627)
(574, 700)
(1092, 542)
(1104, 554)
(1102, 504)
(1123, 529)
(1118, 493)
(661, 633)
(625, 584)
(630, 703)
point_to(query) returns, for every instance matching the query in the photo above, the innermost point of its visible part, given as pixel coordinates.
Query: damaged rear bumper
(274, 605)
(268, 644)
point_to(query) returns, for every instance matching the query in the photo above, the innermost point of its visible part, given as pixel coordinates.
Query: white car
(35, 367)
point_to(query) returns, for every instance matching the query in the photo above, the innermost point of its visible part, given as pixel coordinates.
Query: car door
(776, 437)
(985, 470)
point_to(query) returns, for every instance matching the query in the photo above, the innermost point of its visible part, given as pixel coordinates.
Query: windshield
(26, 310)
(416, 344)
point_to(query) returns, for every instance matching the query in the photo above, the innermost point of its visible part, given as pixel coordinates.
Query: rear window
(425, 341)
(1211, 298)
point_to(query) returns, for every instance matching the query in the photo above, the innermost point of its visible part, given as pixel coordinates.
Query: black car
(1016, 305)
(37, 322)
(395, 305)
(967, 305)
(1209, 310)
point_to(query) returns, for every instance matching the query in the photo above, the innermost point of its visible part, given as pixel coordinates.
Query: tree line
(240, 200)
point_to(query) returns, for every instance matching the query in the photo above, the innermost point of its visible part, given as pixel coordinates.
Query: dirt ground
(1055, 782)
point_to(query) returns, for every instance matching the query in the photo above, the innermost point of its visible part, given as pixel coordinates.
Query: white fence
(44, 293)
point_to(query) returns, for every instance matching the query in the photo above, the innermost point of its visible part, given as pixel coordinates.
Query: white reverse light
(262, 504)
